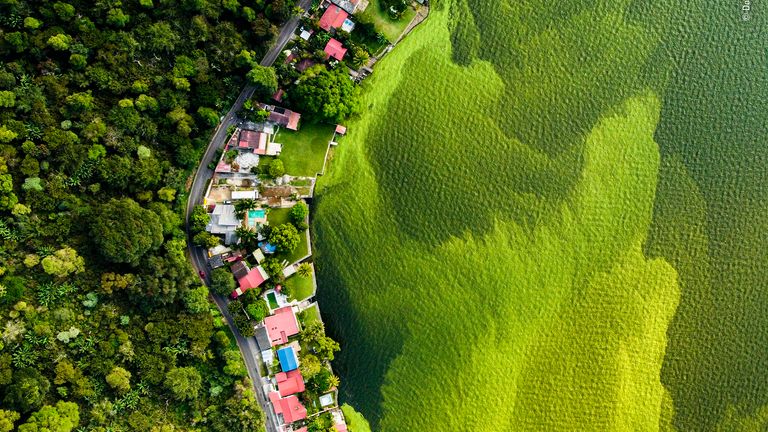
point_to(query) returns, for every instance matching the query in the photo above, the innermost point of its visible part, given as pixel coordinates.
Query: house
(240, 269)
(305, 34)
(265, 345)
(252, 279)
(334, 49)
(289, 408)
(349, 6)
(288, 360)
(281, 326)
(333, 18)
(224, 222)
(290, 383)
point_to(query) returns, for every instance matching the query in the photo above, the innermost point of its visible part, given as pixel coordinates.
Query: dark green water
(711, 213)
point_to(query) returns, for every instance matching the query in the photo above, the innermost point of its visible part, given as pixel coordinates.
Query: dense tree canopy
(104, 109)
(264, 79)
(326, 95)
(285, 237)
(125, 231)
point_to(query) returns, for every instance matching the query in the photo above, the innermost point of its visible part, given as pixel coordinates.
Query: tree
(60, 42)
(284, 237)
(119, 379)
(196, 299)
(27, 391)
(198, 219)
(310, 365)
(276, 168)
(7, 99)
(126, 231)
(7, 418)
(264, 79)
(62, 418)
(63, 262)
(298, 215)
(257, 310)
(326, 95)
(167, 194)
(184, 383)
(222, 281)
(234, 364)
(205, 239)
(304, 270)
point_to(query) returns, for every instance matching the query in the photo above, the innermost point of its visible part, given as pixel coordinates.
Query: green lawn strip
(310, 314)
(303, 151)
(391, 29)
(279, 216)
(300, 288)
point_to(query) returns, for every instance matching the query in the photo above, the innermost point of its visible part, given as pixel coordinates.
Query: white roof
(274, 149)
(305, 35)
(244, 194)
(326, 399)
(288, 271)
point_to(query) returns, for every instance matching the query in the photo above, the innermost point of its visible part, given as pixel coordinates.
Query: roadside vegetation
(104, 109)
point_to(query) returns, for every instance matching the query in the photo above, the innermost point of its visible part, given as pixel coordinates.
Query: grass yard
(310, 314)
(380, 19)
(304, 150)
(300, 288)
(279, 216)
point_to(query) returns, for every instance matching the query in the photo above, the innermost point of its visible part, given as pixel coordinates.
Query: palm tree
(333, 381)
(242, 206)
(304, 270)
(248, 237)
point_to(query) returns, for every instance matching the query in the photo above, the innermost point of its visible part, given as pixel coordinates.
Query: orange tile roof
(333, 17)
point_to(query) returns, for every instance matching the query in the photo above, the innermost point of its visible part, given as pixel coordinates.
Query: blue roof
(287, 359)
(268, 247)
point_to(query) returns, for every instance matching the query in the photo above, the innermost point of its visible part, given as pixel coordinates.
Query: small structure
(281, 326)
(305, 34)
(289, 408)
(216, 261)
(224, 222)
(348, 25)
(349, 6)
(334, 49)
(289, 383)
(326, 400)
(339, 423)
(304, 65)
(288, 360)
(245, 194)
(258, 255)
(341, 130)
(278, 96)
(333, 18)
(240, 269)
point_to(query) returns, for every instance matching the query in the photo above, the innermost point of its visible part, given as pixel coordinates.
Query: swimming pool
(254, 215)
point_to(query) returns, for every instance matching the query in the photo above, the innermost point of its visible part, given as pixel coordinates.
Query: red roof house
(335, 49)
(333, 17)
(281, 326)
(290, 407)
(254, 278)
(253, 140)
(289, 383)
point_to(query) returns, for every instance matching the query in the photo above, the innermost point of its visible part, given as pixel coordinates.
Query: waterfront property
(281, 325)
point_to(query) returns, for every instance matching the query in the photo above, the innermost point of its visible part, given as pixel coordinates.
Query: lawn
(391, 28)
(304, 150)
(279, 216)
(300, 288)
(310, 314)
(480, 238)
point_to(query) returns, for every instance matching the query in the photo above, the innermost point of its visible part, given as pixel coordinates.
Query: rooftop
(281, 325)
(262, 339)
(240, 269)
(290, 407)
(290, 383)
(333, 17)
(253, 278)
(335, 49)
(287, 357)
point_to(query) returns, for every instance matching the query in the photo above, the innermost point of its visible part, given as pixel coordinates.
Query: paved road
(198, 255)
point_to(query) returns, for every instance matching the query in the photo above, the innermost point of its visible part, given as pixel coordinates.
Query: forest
(105, 108)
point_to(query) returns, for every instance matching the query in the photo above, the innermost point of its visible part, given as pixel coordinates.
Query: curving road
(198, 256)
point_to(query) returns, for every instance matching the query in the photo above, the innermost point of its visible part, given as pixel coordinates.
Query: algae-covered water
(552, 216)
